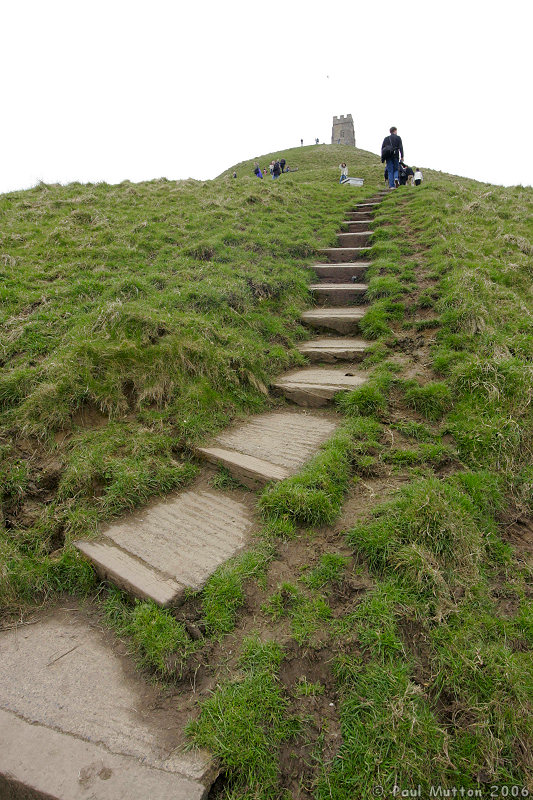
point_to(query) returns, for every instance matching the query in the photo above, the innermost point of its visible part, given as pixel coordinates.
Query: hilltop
(377, 631)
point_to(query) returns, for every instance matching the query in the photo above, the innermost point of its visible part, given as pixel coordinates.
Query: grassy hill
(386, 644)
(136, 319)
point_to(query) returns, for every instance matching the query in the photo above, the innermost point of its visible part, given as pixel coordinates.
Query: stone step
(334, 349)
(315, 386)
(77, 721)
(338, 255)
(340, 320)
(338, 294)
(354, 239)
(367, 206)
(269, 446)
(41, 763)
(356, 225)
(131, 574)
(182, 539)
(252, 472)
(340, 273)
(359, 216)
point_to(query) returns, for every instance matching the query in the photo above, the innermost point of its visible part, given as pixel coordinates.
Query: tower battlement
(342, 131)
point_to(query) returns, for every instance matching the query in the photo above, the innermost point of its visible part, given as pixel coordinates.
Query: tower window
(342, 134)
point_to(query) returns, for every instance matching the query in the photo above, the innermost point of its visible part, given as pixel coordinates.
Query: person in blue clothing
(391, 151)
(257, 171)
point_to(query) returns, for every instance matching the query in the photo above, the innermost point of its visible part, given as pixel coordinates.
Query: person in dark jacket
(391, 150)
(405, 172)
(282, 163)
(276, 170)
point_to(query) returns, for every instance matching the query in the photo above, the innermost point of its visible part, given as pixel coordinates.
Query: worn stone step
(77, 721)
(334, 349)
(338, 294)
(183, 539)
(367, 206)
(359, 216)
(340, 320)
(252, 472)
(131, 574)
(351, 239)
(356, 225)
(338, 255)
(315, 386)
(269, 446)
(340, 273)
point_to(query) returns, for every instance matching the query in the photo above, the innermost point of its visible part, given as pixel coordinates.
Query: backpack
(388, 151)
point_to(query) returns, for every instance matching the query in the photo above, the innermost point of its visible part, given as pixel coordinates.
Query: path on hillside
(74, 725)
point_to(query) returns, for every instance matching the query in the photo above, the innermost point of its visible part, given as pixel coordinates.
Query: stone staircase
(172, 546)
(70, 727)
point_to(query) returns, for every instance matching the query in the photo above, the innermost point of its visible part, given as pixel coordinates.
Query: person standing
(257, 171)
(418, 177)
(391, 151)
(301, 142)
(344, 171)
(276, 170)
(282, 163)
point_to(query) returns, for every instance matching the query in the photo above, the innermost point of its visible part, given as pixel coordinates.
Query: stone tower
(342, 131)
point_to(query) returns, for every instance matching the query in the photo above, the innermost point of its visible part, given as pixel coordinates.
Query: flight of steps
(70, 728)
(172, 546)
(339, 291)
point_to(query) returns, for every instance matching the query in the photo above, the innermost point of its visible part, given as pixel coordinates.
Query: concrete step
(340, 320)
(334, 349)
(182, 539)
(338, 294)
(356, 225)
(340, 273)
(252, 472)
(131, 574)
(315, 386)
(77, 721)
(354, 239)
(339, 255)
(359, 216)
(269, 446)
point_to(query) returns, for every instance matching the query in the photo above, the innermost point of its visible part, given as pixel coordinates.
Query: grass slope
(393, 650)
(134, 320)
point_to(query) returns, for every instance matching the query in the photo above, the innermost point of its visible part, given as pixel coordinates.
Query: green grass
(245, 722)
(137, 319)
(314, 496)
(224, 592)
(159, 642)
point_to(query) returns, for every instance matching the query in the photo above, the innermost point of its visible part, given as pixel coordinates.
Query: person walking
(344, 172)
(257, 171)
(282, 163)
(391, 150)
(276, 170)
(418, 177)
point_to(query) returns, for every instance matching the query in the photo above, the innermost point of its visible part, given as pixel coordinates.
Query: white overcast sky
(109, 90)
